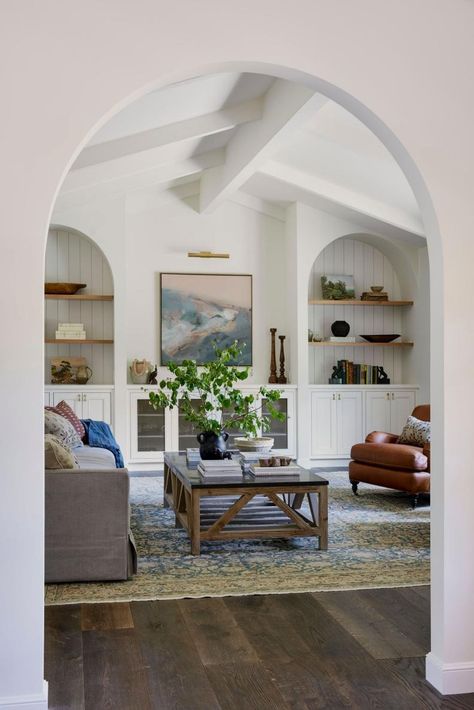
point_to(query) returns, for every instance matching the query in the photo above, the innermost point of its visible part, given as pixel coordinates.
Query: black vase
(340, 328)
(213, 446)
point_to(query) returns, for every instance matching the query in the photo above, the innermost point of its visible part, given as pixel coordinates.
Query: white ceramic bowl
(260, 444)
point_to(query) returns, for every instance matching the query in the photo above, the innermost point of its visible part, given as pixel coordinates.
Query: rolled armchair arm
(427, 453)
(381, 437)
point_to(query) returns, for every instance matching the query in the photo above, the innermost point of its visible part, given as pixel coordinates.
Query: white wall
(58, 96)
(158, 240)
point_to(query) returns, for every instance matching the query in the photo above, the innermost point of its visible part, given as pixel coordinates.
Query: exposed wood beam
(286, 184)
(286, 107)
(197, 127)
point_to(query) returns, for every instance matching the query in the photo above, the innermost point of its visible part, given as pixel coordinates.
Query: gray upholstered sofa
(87, 530)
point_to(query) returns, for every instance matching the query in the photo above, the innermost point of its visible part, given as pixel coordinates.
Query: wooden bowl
(376, 289)
(64, 289)
(386, 338)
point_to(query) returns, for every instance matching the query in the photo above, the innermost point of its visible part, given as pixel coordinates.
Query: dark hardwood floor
(358, 649)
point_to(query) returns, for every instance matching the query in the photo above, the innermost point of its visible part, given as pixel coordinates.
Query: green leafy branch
(209, 397)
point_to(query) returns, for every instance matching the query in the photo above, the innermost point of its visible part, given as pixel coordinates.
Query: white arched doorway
(413, 114)
(389, 141)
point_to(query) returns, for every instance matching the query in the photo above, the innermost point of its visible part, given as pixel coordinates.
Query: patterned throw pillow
(56, 455)
(65, 411)
(61, 428)
(415, 432)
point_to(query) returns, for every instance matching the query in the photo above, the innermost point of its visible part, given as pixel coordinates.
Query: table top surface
(178, 463)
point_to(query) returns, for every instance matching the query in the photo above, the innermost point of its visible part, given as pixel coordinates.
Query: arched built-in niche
(369, 266)
(73, 257)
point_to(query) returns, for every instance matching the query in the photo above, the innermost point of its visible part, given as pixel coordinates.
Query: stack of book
(193, 457)
(374, 296)
(291, 471)
(356, 374)
(251, 457)
(70, 331)
(220, 471)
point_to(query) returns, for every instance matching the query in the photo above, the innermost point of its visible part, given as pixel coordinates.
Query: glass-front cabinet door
(149, 433)
(283, 432)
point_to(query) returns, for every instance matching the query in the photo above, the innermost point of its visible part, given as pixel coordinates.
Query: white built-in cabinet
(343, 416)
(152, 432)
(336, 419)
(388, 410)
(87, 402)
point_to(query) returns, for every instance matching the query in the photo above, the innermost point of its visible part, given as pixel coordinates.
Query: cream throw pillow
(415, 432)
(57, 455)
(61, 428)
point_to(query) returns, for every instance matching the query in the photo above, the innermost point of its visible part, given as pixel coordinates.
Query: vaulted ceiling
(251, 138)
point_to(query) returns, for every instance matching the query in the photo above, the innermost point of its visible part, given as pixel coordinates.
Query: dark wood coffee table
(247, 508)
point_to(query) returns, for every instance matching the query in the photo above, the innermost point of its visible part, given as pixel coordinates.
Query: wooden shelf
(77, 297)
(354, 302)
(364, 344)
(53, 341)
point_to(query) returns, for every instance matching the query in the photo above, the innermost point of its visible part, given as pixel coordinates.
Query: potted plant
(209, 398)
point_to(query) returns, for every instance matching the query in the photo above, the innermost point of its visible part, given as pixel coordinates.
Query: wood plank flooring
(358, 649)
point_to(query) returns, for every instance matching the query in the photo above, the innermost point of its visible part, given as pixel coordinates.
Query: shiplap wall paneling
(73, 257)
(369, 267)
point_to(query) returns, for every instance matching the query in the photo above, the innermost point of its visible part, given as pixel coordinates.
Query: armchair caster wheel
(354, 488)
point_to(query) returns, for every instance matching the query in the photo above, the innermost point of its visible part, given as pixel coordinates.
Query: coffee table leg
(195, 527)
(323, 517)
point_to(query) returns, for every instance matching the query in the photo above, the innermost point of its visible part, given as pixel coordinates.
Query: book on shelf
(347, 339)
(70, 335)
(70, 326)
(357, 373)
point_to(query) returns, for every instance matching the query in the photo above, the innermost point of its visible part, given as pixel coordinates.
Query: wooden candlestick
(273, 365)
(282, 378)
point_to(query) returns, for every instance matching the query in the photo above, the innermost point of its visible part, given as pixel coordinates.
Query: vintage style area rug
(375, 540)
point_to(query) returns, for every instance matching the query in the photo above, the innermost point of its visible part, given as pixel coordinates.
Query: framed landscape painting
(200, 310)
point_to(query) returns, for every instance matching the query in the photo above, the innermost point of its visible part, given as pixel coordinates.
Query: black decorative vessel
(213, 446)
(340, 328)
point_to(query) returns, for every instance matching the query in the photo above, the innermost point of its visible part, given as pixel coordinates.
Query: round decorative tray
(381, 338)
(64, 289)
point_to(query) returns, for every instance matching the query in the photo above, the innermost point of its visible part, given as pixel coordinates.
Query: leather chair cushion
(399, 456)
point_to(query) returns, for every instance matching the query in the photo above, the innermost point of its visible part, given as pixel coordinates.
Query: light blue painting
(199, 311)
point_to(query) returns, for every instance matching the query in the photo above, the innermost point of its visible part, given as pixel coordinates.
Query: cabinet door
(402, 404)
(349, 421)
(147, 429)
(74, 399)
(323, 424)
(187, 432)
(283, 432)
(97, 405)
(377, 411)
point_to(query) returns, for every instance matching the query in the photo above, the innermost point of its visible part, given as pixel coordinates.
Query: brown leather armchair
(382, 462)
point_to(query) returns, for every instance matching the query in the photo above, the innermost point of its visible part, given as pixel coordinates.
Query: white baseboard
(27, 702)
(450, 678)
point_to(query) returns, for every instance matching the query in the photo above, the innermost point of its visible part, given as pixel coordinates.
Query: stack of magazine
(220, 471)
(291, 471)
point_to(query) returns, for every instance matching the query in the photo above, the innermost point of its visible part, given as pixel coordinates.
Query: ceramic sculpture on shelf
(139, 371)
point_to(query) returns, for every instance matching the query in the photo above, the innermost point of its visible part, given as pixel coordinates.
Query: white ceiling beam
(160, 174)
(190, 129)
(162, 157)
(286, 107)
(285, 184)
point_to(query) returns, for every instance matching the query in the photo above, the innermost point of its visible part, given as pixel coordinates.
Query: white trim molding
(450, 678)
(37, 701)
